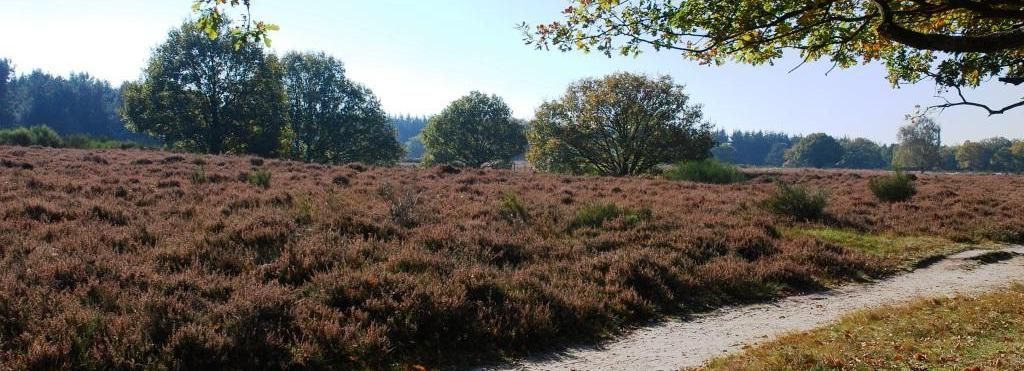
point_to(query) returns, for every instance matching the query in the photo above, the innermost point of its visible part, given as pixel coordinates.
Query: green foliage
(705, 171)
(898, 187)
(44, 136)
(215, 22)
(595, 215)
(512, 210)
(6, 93)
(861, 153)
(797, 202)
(620, 125)
(818, 150)
(31, 136)
(335, 120)
(473, 131)
(955, 43)
(203, 95)
(260, 178)
(414, 149)
(993, 154)
(920, 145)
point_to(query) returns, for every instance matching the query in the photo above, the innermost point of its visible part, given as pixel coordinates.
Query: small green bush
(260, 178)
(898, 187)
(797, 202)
(46, 137)
(512, 209)
(595, 215)
(705, 171)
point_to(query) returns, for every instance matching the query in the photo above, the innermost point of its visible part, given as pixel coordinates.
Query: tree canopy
(335, 120)
(620, 125)
(204, 95)
(474, 131)
(955, 43)
(817, 150)
(920, 144)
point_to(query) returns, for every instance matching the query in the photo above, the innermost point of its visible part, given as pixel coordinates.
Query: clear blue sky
(419, 55)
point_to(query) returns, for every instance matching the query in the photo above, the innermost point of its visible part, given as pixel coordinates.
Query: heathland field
(129, 259)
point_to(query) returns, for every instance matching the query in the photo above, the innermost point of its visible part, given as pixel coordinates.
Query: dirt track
(673, 344)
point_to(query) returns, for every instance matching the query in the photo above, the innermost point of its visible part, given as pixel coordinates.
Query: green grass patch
(595, 215)
(909, 251)
(705, 171)
(965, 333)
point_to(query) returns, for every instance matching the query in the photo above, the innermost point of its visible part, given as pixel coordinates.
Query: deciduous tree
(204, 95)
(474, 131)
(620, 125)
(817, 150)
(920, 145)
(333, 119)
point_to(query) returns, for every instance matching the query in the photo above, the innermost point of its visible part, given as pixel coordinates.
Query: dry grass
(979, 333)
(131, 259)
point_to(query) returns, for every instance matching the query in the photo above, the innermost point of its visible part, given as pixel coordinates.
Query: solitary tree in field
(620, 125)
(204, 95)
(473, 131)
(955, 43)
(818, 150)
(920, 145)
(334, 119)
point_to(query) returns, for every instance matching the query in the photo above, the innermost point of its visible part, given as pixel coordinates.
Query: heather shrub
(898, 187)
(797, 202)
(198, 175)
(124, 266)
(705, 171)
(260, 178)
(401, 204)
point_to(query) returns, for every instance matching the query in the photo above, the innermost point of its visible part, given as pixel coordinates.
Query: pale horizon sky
(417, 56)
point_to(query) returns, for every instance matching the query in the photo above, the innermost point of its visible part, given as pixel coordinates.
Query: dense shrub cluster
(705, 171)
(119, 260)
(798, 202)
(46, 137)
(893, 188)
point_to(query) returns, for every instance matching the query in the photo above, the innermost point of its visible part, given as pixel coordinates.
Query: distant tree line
(76, 105)
(919, 147)
(409, 129)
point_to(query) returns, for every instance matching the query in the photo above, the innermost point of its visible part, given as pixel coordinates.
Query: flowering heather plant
(126, 263)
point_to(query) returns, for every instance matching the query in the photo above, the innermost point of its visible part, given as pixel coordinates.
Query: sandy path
(672, 344)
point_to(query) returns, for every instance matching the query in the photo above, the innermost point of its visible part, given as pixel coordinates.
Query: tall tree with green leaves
(818, 150)
(335, 120)
(620, 125)
(920, 145)
(474, 131)
(955, 43)
(6, 99)
(204, 95)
